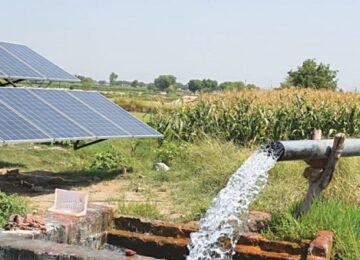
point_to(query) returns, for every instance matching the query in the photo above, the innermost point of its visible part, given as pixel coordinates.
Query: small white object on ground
(161, 166)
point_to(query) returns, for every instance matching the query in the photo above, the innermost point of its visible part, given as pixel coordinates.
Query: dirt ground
(39, 187)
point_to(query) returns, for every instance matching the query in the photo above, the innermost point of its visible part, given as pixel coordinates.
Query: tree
(236, 85)
(134, 83)
(195, 85)
(312, 75)
(163, 82)
(209, 84)
(151, 86)
(113, 77)
(252, 86)
(86, 82)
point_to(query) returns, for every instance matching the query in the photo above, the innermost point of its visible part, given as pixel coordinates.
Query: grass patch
(287, 185)
(146, 209)
(340, 217)
(198, 174)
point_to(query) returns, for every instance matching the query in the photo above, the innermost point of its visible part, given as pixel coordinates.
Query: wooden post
(320, 172)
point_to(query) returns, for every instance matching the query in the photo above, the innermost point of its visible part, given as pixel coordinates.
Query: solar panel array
(43, 115)
(19, 62)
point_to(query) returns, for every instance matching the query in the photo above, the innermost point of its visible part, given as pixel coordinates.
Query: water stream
(224, 221)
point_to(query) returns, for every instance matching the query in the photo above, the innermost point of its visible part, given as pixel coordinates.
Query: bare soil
(39, 186)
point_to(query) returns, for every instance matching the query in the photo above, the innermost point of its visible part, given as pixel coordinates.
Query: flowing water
(224, 221)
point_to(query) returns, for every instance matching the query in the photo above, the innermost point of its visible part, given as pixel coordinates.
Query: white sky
(254, 41)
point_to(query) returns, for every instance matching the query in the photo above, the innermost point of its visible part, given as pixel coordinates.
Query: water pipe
(314, 149)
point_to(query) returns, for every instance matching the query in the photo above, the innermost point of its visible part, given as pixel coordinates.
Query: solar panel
(38, 112)
(43, 115)
(14, 128)
(14, 68)
(20, 62)
(115, 113)
(101, 127)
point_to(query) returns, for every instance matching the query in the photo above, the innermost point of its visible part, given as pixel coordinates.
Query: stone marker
(70, 202)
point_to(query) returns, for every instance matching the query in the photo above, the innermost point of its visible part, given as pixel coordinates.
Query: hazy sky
(256, 41)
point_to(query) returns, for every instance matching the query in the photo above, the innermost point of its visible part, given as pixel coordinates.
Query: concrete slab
(15, 247)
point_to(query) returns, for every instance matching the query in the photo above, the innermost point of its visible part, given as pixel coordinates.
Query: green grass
(147, 210)
(340, 217)
(197, 173)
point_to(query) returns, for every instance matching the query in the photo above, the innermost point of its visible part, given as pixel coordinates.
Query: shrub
(11, 204)
(168, 151)
(110, 159)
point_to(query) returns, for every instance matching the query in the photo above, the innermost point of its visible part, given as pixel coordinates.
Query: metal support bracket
(77, 146)
(10, 82)
(320, 174)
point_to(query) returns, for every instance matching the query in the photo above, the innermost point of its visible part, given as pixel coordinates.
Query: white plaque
(70, 202)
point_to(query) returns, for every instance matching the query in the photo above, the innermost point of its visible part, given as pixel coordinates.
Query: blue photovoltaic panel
(19, 62)
(115, 113)
(14, 68)
(14, 128)
(49, 70)
(42, 115)
(101, 127)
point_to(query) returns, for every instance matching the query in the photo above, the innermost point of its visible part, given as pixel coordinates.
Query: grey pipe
(314, 149)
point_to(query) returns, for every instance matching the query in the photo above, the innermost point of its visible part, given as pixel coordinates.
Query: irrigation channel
(224, 221)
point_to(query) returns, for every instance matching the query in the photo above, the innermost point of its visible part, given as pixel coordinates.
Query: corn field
(258, 116)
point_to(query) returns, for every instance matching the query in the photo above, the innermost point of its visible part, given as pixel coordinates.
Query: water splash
(224, 221)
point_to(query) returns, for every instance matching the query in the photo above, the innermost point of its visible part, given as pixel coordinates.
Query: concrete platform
(78, 238)
(16, 247)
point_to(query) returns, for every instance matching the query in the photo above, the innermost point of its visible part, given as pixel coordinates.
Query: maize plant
(257, 116)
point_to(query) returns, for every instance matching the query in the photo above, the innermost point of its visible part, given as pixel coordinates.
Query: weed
(168, 151)
(147, 209)
(11, 204)
(340, 217)
(110, 159)
(161, 176)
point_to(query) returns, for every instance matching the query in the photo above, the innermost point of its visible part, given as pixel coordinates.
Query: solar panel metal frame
(32, 67)
(52, 139)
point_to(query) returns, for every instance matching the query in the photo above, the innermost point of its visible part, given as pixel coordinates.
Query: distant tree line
(309, 75)
(166, 83)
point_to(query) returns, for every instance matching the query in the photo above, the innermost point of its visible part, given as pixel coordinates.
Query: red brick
(321, 246)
